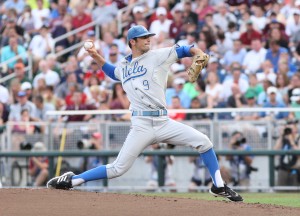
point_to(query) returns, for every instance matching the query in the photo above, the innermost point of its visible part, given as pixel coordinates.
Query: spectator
(232, 33)
(73, 88)
(138, 13)
(27, 88)
(294, 83)
(223, 44)
(203, 8)
(288, 171)
(38, 166)
(214, 89)
(118, 100)
(267, 72)
(272, 102)
(295, 103)
(61, 27)
(282, 83)
(108, 40)
(273, 53)
(40, 14)
(240, 166)
(26, 21)
(19, 70)
(50, 98)
(40, 45)
(14, 89)
(293, 24)
(104, 14)
(177, 90)
(4, 95)
(249, 35)
(95, 72)
(11, 22)
(12, 50)
(176, 25)
(223, 17)
(42, 108)
(254, 57)
(196, 104)
(280, 36)
(51, 77)
(9, 33)
(250, 97)
(263, 96)
(18, 5)
(178, 116)
(162, 24)
(23, 104)
(97, 97)
(190, 40)
(254, 85)
(188, 13)
(62, 90)
(93, 80)
(258, 18)
(236, 100)
(237, 79)
(53, 64)
(80, 18)
(23, 125)
(237, 54)
(78, 105)
(213, 66)
(165, 4)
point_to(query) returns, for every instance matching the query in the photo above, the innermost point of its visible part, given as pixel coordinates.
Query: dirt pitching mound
(45, 202)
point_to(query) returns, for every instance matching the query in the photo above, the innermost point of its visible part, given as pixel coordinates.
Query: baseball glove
(200, 61)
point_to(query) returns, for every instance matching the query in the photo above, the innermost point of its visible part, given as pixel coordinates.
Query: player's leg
(137, 140)
(176, 133)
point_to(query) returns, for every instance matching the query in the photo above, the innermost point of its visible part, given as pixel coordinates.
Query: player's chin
(147, 47)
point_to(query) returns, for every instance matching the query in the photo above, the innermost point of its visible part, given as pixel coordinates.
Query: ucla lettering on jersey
(133, 72)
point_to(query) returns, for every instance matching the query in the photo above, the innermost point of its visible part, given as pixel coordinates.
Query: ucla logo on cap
(138, 31)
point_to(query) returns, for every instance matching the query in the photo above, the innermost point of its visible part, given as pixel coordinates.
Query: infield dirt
(45, 202)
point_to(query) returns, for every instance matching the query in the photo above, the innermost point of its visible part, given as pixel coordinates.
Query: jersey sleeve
(111, 71)
(183, 51)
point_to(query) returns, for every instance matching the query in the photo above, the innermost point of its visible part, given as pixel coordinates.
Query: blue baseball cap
(138, 31)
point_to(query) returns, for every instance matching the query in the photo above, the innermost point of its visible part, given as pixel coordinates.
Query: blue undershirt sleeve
(184, 51)
(109, 70)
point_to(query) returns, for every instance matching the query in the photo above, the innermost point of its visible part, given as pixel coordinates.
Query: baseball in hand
(88, 44)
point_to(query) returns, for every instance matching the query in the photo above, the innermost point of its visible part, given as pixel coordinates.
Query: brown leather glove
(200, 61)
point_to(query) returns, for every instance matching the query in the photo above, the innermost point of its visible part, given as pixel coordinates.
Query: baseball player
(143, 75)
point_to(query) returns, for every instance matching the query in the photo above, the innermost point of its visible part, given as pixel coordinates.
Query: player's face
(143, 44)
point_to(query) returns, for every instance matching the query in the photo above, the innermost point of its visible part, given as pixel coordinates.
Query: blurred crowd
(254, 48)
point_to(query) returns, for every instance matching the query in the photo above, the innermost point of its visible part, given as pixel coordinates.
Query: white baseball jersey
(144, 79)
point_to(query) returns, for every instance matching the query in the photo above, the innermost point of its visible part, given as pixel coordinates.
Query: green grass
(283, 199)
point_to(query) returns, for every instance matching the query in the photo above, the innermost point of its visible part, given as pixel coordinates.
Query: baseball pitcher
(143, 75)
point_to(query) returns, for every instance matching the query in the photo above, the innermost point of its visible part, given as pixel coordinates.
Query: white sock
(219, 181)
(76, 182)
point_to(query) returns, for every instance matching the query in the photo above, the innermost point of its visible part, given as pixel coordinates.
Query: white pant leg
(140, 136)
(176, 133)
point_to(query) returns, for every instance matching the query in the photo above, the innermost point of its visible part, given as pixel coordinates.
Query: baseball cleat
(63, 182)
(226, 192)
